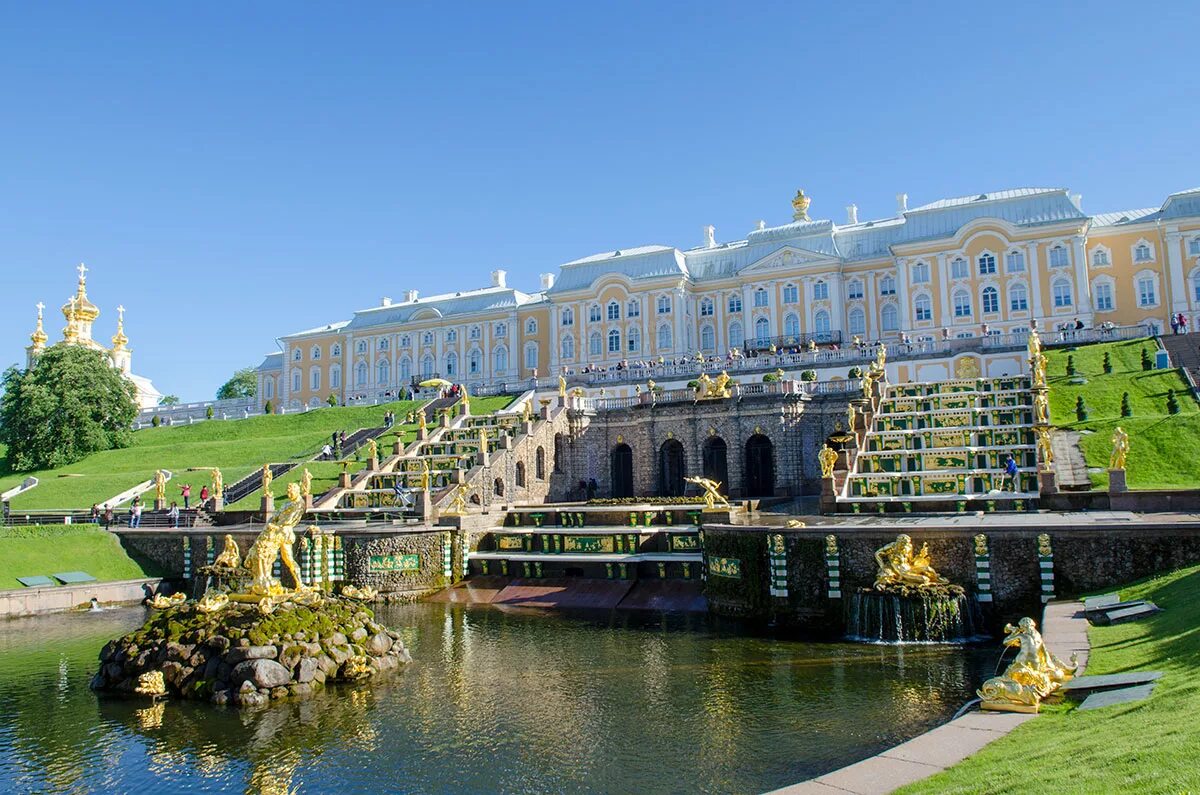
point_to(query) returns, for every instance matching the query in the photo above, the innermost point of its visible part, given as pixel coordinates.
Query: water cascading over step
(931, 616)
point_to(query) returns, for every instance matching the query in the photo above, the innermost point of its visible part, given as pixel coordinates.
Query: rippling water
(496, 701)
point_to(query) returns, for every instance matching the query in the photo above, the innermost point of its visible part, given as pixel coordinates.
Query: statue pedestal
(465, 408)
(424, 504)
(562, 404)
(373, 463)
(459, 476)
(527, 427)
(160, 505)
(308, 502)
(422, 434)
(482, 458)
(268, 505)
(444, 420)
(546, 411)
(397, 447)
(506, 442)
(1116, 481)
(344, 480)
(217, 503)
(1047, 482)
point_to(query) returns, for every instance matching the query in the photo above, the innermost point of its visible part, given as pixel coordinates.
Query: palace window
(1014, 262)
(821, 324)
(633, 309)
(426, 368)
(594, 313)
(990, 300)
(855, 290)
(531, 356)
(962, 303)
(664, 337)
(567, 347)
(405, 370)
(335, 377)
(269, 388)
(475, 361)
(887, 285)
(314, 379)
(568, 317)
(476, 332)
(451, 364)
(315, 353)
(736, 337)
(427, 338)
(531, 326)
(360, 375)
(297, 355)
(595, 344)
(1100, 257)
(361, 347)
(452, 335)
(735, 303)
(858, 321)
(987, 264)
(405, 341)
(664, 305)
(1058, 257)
(708, 340)
(501, 330)
(791, 294)
(1141, 253)
(1061, 291)
(1194, 247)
(297, 380)
(920, 273)
(889, 318)
(706, 307)
(761, 297)
(383, 343)
(336, 350)
(1196, 286)
(762, 331)
(634, 341)
(1018, 298)
(958, 268)
(791, 325)
(923, 308)
(500, 359)
(1104, 296)
(614, 310)
(1147, 294)
(820, 291)
(614, 341)
(383, 372)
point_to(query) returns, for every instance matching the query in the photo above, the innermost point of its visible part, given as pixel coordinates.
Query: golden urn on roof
(800, 206)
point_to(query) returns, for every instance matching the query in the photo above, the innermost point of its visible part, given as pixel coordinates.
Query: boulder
(338, 639)
(379, 644)
(307, 670)
(263, 673)
(358, 635)
(242, 653)
(279, 692)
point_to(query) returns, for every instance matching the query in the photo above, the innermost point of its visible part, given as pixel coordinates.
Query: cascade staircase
(1184, 350)
(252, 482)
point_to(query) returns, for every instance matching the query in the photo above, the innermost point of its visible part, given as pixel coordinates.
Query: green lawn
(1164, 448)
(325, 475)
(45, 550)
(236, 446)
(1144, 747)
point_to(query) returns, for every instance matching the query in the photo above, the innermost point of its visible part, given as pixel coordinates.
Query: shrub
(1147, 364)
(331, 400)
(156, 420)
(268, 408)
(1071, 364)
(1107, 363)
(1081, 412)
(1172, 402)
(209, 413)
(770, 378)
(808, 375)
(855, 372)
(1126, 409)
(693, 384)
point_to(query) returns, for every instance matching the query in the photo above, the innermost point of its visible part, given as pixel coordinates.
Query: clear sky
(231, 172)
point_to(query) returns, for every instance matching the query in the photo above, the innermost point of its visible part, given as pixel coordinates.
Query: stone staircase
(942, 446)
(1184, 350)
(252, 482)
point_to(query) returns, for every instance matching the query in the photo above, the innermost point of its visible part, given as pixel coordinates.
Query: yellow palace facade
(987, 263)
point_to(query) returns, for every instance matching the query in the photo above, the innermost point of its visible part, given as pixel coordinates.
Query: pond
(512, 701)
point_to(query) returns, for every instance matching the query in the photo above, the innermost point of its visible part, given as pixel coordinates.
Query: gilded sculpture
(981, 547)
(275, 542)
(151, 683)
(851, 418)
(160, 487)
(424, 474)
(421, 419)
(1044, 446)
(562, 386)
(831, 545)
(1034, 674)
(231, 556)
(161, 602)
(458, 501)
(372, 449)
(800, 205)
(712, 492)
(212, 602)
(218, 483)
(901, 569)
(525, 411)
(1037, 369)
(1120, 449)
(306, 480)
(1034, 342)
(267, 477)
(828, 459)
(1041, 407)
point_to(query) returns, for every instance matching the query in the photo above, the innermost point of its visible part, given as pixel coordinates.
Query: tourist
(135, 513)
(108, 517)
(186, 491)
(342, 439)
(1010, 472)
(203, 495)
(95, 513)
(1182, 324)
(173, 514)
(327, 453)
(1175, 324)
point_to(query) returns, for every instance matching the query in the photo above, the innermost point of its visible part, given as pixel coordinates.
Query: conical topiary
(1172, 402)
(1081, 412)
(1107, 363)
(1147, 364)
(1126, 409)
(1071, 364)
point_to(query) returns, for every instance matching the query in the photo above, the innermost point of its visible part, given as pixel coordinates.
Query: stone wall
(429, 546)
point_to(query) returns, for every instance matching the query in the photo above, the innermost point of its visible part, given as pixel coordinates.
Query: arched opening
(670, 469)
(539, 463)
(498, 487)
(558, 453)
(760, 467)
(520, 477)
(715, 455)
(621, 471)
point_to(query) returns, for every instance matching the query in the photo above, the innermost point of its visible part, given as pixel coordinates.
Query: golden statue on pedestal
(1034, 342)
(712, 492)
(231, 556)
(800, 206)
(1120, 443)
(421, 419)
(160, 487)
(901, 569)
(1033, 675)
(562, 386)
(1041, 408)
(828, 459)
(458, 501)
(218, 484)
(306, 480)
(372, 449)
(1037, 369)
(267, 477)
(275, 542)
(525, 411)
(1044, 447)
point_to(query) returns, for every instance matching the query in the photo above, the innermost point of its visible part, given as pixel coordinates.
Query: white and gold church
(81, 315)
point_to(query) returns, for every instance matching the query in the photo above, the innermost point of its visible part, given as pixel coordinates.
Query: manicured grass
(1164, 448)
(236, 446)
(325, 475)
(27, 551)
(1145, 747)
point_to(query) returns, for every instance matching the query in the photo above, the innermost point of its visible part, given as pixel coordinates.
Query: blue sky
(234, 172)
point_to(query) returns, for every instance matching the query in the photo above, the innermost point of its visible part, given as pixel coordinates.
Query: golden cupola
(38, 337)
(79, 309)
(119, 340)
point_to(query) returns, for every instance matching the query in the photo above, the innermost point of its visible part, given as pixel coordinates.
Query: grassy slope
(325, 475)
(69, 548)
(1164, 448)
(1145, 747)
(236, 446)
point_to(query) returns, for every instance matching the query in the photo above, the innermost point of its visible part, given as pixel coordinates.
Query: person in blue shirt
(1010, 472)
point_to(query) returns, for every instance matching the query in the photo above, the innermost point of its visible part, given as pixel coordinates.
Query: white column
(677, 310)
(1083, 288)
(1175, 276)
(872, 326)
(903, 299)
(1035, 281)
(837, 303)
(943, 267)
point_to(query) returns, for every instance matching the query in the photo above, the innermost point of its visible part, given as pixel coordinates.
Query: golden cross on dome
(82, 270)
(40, 307)
(120, 313)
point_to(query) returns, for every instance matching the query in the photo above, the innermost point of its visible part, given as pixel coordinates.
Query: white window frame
(1064, 254)
(994, 294)
(791, 294)
(1056, 300)
(887, 285)
(612, 311)
(663, 305)
(734, 303)
(614, 340)
(663, 338)
(960, 268)
(961, 309)
(986, 263)
(1103, 289)
(920, 273)
(707, 307)
(1014, 261)
(855, 290)
(1105, 254)
(923, 308)
(762, 298)
(820, 290)
(1018, 292)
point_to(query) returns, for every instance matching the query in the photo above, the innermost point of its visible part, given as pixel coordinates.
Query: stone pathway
(1069, 465)
(1065, 631)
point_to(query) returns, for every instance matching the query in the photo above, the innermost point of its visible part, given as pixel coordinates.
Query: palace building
(986, 263)
(81, 315)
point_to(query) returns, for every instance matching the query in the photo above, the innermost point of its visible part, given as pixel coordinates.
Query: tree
(243, 384)
(1107, 363)
(1070, 364)
(70, 404)
(331, 400)
(1081, 412)
(1172, 402)
(1147, 364)
(169, 400)
(1126, 409)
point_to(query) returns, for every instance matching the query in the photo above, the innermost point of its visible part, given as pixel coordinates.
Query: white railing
(186, 413)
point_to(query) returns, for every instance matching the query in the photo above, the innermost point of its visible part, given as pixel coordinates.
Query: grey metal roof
(643, 262)
(449, 305)
(1125, 217)
(328, 327)
(272, 361)
(976, 198)
(1185, 202)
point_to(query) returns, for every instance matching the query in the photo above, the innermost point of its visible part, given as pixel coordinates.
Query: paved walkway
(1041, 521)
(1070, 468)
(1065, 631)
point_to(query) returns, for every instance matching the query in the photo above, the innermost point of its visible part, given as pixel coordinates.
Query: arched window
(923, 308)
(360, 374)
(761, 297)
(594, 313)
(361, 347)
(427, 338)
(735, 303)
(1061, 291)
(427, 366)
(920, 273)
(858, 321)
(614, 341)
(990, 299)
(451, 364)
(475, 361)
(821, 324)
(633, 309)
(613, 311)
(1018, 298)
(336, 350)
(708, 341)
(520, 475)
(664, 337)
(889, 318)
(568, 316)
(531, 355)
(1058, 257)
(477, 332)
(762, 332)
(887, 286)
(1147, 289)
(791, 325)
(1014, 262)
(791, 294)
(297, 355)
(500, 359)
(1141, 253)
(567, 347)
(335, 377)
(962, 303)
(405, 341)
(987, 264)
(501, 330)
(451, 335)
(595, 344)
(664, 304)
(539, 463)
(405, 370)
(736, 336)
(531, 326)
(383, 372)
(635, 340)
(854, 290)
(706, 307)
(384, 343)
(315, 353)
(1194, 247)
(314, 378)
(958, 268)
(296, 380)
(820, 291)
(1100, 257)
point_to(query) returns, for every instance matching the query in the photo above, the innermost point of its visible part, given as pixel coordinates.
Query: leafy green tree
(169, 400)
(70, 404)
(243, 384)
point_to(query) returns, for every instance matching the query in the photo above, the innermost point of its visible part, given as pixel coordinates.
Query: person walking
(135, 513)
(327, 453)
(95, 513)
(1010, 472)
(186, 491)
(204, 495)
(108, 517)
(173, 514)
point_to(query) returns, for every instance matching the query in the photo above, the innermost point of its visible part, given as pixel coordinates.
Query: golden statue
(466, 399)
(828, 459)
(483, 439)
(151, 683)
(650, 385)
(424, 474)
(900, 569)
(525, 410)
(212, 602)
(160, 487)
(1034, 342)
(1120, 443)
(306, 483)
(981, 546)
(831, 547)
(720, 386)
(800, 206)
(458, 501)
(1041, 408)
(880, 356)
(421, 419)
(1044, 447)
(363, 593)
(1037, 369)
(712, 492)
(562, 386)
(218, 483)
(1034, 674)
(372, 449)
(795, 524)
(867, 380)
(267, 477)
(703, 386)
(231, 556)
(851, 414)
(276, 542)
(160, 602)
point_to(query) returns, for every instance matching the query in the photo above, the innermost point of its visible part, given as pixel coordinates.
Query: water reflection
(496, 701)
